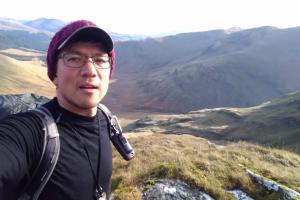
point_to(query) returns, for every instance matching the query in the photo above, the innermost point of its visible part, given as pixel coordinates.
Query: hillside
(208, 167)
(191, 71)
(25, 39)
(12, 24)
(15, 34)
(23, 54)
(275, 123)
(24, 76)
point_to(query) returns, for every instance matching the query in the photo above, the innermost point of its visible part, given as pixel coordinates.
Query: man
(80, 62)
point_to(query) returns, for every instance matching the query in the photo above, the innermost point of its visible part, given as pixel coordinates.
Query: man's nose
(89, 68)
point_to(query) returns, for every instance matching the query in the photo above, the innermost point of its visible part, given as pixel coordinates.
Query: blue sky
(161, 16)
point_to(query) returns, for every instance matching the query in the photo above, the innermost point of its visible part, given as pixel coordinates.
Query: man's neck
(87, 112)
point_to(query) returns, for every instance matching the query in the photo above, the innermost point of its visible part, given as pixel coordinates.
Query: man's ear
(55, 81)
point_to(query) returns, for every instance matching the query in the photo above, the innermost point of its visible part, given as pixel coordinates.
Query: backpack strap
(49, 157)
(116, 136)
(113, 121)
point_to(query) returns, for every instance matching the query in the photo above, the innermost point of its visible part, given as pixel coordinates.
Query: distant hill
(24, 54)
(118, 37)
(9, 24)
(23, 39)
(275, 123)
(207, 69)
(51, 25)
(14, 34)
(36, 34)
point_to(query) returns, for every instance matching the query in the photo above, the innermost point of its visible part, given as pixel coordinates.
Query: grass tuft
(210, 168)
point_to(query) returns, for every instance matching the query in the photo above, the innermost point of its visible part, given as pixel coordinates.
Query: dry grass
(19, 52)
(24, 77)
(209, 167)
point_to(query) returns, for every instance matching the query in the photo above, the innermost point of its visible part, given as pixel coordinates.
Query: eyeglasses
(75, 60)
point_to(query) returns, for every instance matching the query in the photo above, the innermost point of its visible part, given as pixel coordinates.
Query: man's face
(79, 90)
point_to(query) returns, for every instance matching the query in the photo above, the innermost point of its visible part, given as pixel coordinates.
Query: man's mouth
(88, 86)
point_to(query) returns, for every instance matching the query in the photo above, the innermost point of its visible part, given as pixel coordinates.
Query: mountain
(36, 34)
(211, 69)
(9, 24)
(118, 37)
(275, 123)
(24, 39)
(51, 25)
(14, 34)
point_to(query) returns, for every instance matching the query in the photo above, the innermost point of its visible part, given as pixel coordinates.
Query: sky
(150, 17)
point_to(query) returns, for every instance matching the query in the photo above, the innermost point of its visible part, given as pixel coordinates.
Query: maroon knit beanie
(81, 30)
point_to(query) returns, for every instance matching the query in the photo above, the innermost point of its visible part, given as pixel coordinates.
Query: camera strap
(99, 193)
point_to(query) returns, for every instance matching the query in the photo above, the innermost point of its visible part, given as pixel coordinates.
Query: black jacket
(21, 142)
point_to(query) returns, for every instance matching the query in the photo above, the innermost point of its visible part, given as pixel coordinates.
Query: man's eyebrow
(104, 55)
(74, 52)
(80, 53)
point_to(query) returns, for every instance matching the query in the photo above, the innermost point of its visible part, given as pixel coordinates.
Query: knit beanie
(81, 30)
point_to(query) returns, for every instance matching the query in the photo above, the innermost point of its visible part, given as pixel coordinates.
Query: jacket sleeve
(21, 139)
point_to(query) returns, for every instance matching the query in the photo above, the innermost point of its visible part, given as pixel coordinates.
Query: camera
(119, 141)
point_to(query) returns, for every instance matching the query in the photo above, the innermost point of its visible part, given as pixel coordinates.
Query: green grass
(211, 168)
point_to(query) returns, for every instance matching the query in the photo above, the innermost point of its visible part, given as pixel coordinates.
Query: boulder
(10, 104)
(165, 189)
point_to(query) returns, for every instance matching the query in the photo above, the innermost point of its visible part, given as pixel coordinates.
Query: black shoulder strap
(116, 135)
(48, 159)
(114, 125)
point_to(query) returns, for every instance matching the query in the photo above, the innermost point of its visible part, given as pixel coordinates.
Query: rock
(287, 193)
(10, 104)
(165, 189)
(239, 195)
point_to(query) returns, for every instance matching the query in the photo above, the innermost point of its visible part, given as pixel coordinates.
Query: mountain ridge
(242, 69)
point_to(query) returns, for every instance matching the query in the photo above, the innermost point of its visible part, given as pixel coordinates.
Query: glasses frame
(87, 59)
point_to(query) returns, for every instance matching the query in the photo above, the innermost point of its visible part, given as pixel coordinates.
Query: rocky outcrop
(10, 104)
(270, 185)
(239, 195)
(165, 189)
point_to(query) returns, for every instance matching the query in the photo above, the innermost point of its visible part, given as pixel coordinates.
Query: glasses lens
(77, 60)
(101, 61)
(74, 60)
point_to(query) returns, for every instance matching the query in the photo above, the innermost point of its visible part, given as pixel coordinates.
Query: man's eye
(100, 60)
(74, 59)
